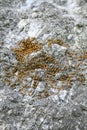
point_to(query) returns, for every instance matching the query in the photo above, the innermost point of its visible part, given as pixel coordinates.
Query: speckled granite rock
(53, 97)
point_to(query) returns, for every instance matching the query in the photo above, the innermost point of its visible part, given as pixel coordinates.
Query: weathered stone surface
(44, 98)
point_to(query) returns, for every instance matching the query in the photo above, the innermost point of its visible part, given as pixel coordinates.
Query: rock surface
(47, 88)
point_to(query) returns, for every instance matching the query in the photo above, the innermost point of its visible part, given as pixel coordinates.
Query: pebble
(70, 37)
(10, 112)
(59, 84)
(62, 94)
(77, 112)
(83, 107)
(34, 15)
(53, 90)
(41, 86)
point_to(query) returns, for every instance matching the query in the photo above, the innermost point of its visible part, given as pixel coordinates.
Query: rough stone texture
(58, 108)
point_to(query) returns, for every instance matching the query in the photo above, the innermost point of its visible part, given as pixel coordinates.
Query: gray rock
(43, 19)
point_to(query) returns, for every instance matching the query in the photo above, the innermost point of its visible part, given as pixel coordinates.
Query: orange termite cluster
(25, 48)
(83, 56)
(47, 63)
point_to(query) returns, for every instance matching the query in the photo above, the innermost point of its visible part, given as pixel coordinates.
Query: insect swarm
(26, 68)
(25, 48)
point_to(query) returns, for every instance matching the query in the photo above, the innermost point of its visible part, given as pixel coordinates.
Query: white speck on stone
(2, 95)
(55, 98)
(70, 62)
(60, 121)
(45, 127)
(53, 90)
(8, 46)
(58, 75)
(45, 36)
(40, 87)
(59, 84)
(69, 37)
(34, 54)
(16, 73)
(29, 79)
(0, 99)
(34, 15)
(24, 82)
(41, 119)
(77, 128)
(62, 94)
(9, 112)
(22, 23)
(35, 29)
